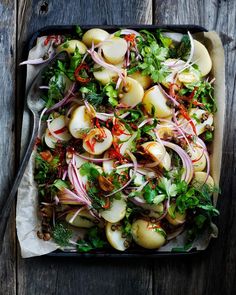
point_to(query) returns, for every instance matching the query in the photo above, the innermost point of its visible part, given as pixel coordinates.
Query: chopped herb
(61, 235)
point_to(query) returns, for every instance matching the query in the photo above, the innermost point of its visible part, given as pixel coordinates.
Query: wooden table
(213, 272)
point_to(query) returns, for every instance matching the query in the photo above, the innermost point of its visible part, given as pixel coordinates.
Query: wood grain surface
(212, 272)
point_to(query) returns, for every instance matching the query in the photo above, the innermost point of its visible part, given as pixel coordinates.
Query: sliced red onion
(64, 175)
(76, 214)
(201, 142)
(65, 100)
(187, 162)
(95, 160)
(191, 53)
(67, 195)
(146, 121)
(97, 59)
(175, 102)
(134, 160)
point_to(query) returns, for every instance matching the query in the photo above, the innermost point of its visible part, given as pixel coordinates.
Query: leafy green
(111, 93)
(208, 136)
(59, 184)
(61, 235)
(89, 170)
(149, 194)
(167, 187)
(184, 48)
(79, 31)
(166, 41)
(93, 240)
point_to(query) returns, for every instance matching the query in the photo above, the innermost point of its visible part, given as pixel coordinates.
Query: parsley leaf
(92, 240)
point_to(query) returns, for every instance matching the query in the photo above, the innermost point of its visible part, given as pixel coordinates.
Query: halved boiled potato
(101, 138)
(115, 237)
(189, 75)
(49, 139)
(132, 92)
(116, 212)
(198, 113)
(166, 162)
(155, 210)
(174, 217)
(144, 80)
(108, 166)
(57, 126)
(156, 150)
(196, 116)
(201, 58)
(148, 235)
(114, 49)
(79, 122)
(197, 156)
(95, 36)
(71, 45)
(83, 219)
(105, 76)
(154, 101)
(200, 178)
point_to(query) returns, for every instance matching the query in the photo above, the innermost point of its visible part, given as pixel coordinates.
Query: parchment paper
(27, 221)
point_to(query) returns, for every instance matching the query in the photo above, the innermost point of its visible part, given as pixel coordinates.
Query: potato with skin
(84, 219)
(201, 58)
(57, 124)
(94, 36)
(116, 212)
(148, 235)
(155, 210)
(103, 140)
(131, 93)
(199, 179)
(114, 50)
(156, 150)
(155, 101)
(174, 217)
(144, 80)
(71, 45)
(196, 116)
(197, 156)
(105, 76)
(115, 236)
(80, 121)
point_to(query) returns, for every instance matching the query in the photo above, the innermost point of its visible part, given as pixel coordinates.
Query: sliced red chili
(130, 38)
(63, 129)
(91, 143)
(78, 77)
(187, 117)
(49, 38)
(107, 204)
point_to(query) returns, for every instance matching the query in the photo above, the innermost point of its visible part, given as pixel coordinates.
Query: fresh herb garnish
(61, 235)
(93, 240)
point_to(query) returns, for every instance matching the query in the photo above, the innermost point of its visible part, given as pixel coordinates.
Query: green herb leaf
(61, 235)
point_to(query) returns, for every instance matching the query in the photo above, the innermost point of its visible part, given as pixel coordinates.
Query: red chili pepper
(130, 38)
(187, 117)
(49, 38)
(107, 204)
(91, 143)
(60, 130)
(118, 129)
(81, 67)
(46, 156)
(102, 131)
(196, 103)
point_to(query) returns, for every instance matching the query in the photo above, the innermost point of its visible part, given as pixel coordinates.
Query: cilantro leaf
(93, 240)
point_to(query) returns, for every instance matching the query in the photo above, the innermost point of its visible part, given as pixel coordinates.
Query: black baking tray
(71, 30)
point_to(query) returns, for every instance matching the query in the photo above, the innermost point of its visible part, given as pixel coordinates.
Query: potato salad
(123, 158)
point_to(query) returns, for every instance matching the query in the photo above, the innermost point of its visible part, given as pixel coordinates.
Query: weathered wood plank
(213, 272)
(7, 145)
(73, 276)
